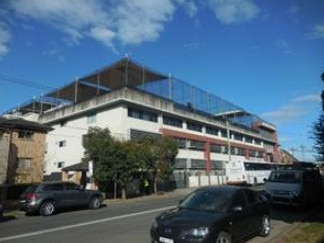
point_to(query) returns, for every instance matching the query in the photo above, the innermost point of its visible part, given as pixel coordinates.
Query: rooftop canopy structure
(127, 73)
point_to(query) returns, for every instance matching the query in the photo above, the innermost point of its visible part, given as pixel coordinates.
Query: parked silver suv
(300, 187)
(49, 197)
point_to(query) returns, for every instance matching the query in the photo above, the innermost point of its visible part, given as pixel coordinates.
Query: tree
(159, 156)
(114, 160)
(318, 131)
(128, 161)
(318, 136)
(100, 147)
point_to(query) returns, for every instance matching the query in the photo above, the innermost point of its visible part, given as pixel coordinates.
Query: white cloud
(283, 46)
(104, 35)
(113, 22)
(56, 54)
(317, 32)
(295, 109)
(142, 20)
(132, 22)
(73, 17)
(4, 40)
(234, 11)
(191, 8)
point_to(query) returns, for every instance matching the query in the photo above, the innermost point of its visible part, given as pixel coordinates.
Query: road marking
(40, 232)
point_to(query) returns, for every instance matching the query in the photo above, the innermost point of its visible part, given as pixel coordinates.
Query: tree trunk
(154, 185)
(123, 195)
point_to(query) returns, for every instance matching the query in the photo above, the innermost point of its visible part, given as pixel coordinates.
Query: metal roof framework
(127, 73)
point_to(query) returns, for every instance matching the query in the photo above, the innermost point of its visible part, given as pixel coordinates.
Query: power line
(23, 82)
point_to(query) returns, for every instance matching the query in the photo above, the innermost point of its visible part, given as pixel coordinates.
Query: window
(212, 130)
(136, 134)
(181, 142)
(239, 199)
(198, 164)
(85, 139)
(25, 134)
(257, 141)
(223, 133)
(248, 139)
(71, 186)
(215, 148)
(238, 136)
(241, 151)
(54, 187)
(194, 126)
(252, 153)
(62, 143)
(60, 164)
(197, 145)
(143, 115)
(23, 163)
(171, 121)
(91, 118)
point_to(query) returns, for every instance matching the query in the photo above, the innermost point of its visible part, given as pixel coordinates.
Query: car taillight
(31, 196)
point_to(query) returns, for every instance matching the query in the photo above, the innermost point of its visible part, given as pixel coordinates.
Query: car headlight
(200, 232)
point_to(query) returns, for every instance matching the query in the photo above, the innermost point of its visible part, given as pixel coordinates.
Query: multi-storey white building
(131, 101)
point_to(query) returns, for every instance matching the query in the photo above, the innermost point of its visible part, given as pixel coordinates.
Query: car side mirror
(265, 179)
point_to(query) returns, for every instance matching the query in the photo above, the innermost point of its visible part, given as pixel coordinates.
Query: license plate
(165, 240)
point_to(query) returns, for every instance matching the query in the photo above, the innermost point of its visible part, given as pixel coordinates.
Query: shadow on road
(6, 218)
(291, 214)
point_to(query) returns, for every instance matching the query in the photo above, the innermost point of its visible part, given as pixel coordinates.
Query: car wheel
(95, 203)
(265, 226)
(47, 208)
(223, 237)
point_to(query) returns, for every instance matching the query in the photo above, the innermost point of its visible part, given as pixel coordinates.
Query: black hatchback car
(48, 197)
(221, 214)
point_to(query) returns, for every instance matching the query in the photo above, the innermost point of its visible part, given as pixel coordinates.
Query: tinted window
(288, 176)
(53, 187)
(31, 189)
(71, 186)
(239, 199)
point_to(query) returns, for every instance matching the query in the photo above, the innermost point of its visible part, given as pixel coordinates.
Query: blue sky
(263, 55)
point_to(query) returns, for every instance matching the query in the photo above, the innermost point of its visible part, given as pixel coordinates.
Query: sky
(266, 56)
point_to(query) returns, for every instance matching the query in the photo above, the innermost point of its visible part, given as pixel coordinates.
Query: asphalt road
(126, 222)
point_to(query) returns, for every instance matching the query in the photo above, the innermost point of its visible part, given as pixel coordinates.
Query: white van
(299, 187)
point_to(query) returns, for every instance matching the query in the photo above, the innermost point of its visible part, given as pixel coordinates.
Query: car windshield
(286, 176)
(217, 201)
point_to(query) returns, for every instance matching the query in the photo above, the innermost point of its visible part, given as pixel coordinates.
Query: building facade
(133, 101)
(22, 149)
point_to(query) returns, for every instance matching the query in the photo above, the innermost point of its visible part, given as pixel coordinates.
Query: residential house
(22, 150)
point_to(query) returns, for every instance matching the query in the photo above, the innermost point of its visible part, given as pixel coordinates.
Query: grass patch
(14, 213)
(307, 233)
